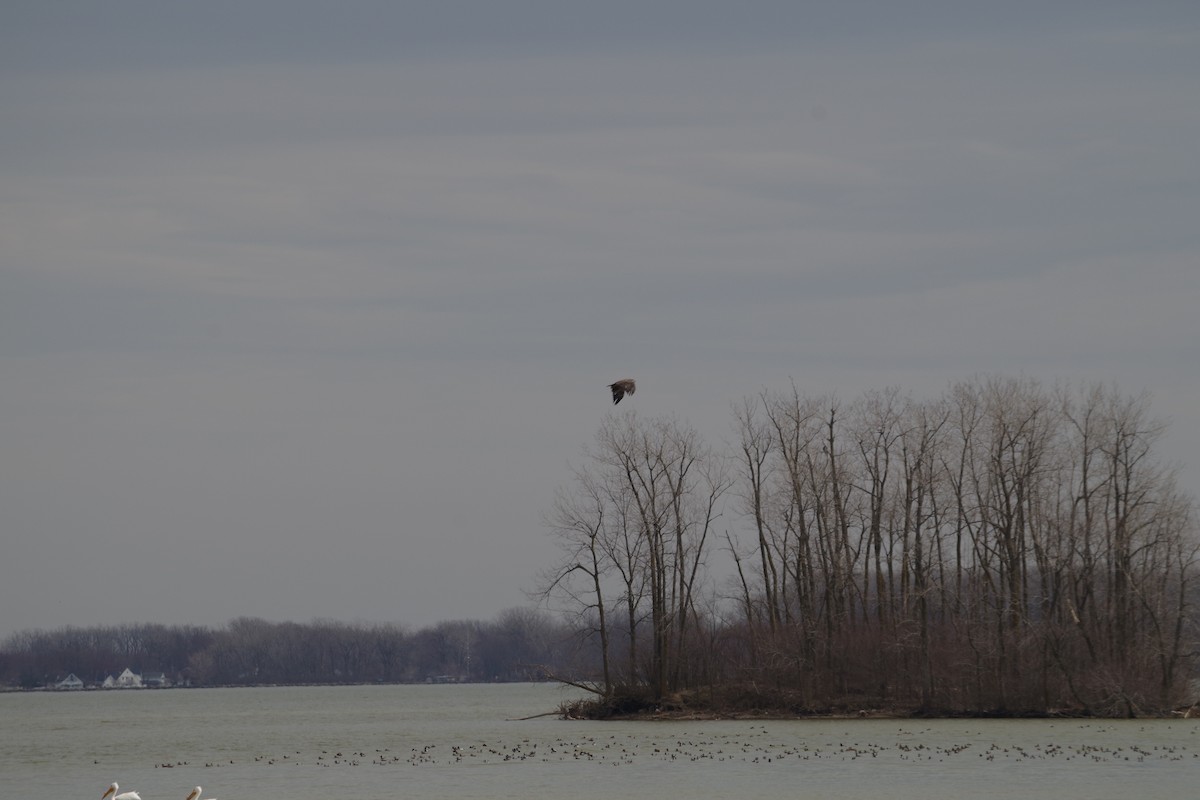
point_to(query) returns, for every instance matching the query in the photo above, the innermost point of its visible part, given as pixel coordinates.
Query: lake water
(450, 741)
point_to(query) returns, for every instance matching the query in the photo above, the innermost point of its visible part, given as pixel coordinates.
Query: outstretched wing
(621, 388)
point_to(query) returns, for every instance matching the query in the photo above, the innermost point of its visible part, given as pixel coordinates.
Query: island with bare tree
(1002, 549)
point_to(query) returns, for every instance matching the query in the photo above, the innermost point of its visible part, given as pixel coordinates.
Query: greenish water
(452, 741)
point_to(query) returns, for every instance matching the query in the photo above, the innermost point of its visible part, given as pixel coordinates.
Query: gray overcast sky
(305, 308)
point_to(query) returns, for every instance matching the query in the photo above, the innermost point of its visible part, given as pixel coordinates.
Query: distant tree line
(518, 645)
(1005, 547)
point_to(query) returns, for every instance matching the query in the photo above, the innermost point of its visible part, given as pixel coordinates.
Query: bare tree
(636, 522)
(578, 521)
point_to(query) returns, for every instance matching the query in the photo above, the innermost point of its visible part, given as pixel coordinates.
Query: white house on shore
(126, 680)
(69, 682)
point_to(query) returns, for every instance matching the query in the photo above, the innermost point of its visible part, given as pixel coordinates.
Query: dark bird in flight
(621, 388)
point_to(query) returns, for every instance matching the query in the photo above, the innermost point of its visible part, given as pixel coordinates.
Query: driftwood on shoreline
(555, 713)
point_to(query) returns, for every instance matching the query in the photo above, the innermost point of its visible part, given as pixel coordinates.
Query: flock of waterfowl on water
(755, 744)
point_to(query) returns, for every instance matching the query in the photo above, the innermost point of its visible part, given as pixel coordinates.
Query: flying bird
(112, 790)
(621, 388)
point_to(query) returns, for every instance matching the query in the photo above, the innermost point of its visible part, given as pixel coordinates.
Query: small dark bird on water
(621, 388)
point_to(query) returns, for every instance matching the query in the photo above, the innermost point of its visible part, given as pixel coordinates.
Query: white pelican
(195, 795)
(621, 388)
(113, 789)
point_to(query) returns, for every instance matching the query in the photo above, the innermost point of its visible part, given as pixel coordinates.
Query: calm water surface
(466, 742)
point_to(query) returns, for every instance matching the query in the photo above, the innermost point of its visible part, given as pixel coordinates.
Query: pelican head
(112, 790)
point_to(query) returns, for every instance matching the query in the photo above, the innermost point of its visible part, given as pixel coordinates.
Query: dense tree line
(1003, 547)
(519, 644)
